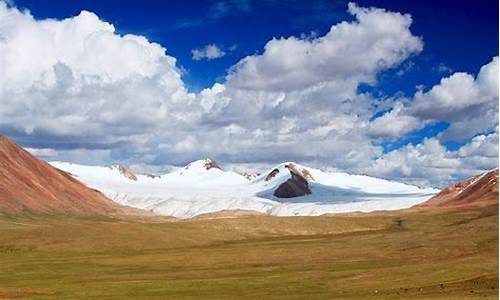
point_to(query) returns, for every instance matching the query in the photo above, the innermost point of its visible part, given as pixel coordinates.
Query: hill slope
(481, 190)
(27, 183)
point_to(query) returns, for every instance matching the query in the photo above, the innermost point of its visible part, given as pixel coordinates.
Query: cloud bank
(77, 90)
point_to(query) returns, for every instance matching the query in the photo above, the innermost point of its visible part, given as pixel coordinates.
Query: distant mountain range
(204, 187)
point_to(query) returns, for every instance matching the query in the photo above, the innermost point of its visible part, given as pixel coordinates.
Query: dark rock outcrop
(211, 164)
(296, 186)
(272, 174)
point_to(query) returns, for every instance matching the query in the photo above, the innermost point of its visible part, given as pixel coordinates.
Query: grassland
(398, 255)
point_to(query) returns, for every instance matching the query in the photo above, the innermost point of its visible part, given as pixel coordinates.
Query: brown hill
(30, 184)
(481, 190)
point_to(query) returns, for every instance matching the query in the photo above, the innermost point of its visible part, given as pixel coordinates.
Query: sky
(404, 90)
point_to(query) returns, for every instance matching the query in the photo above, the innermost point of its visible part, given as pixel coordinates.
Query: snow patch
(196, 189)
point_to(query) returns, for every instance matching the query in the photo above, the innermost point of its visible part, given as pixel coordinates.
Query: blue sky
(461, 35)
(385, 112)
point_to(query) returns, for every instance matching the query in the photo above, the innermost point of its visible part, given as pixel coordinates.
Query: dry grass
(398, 255)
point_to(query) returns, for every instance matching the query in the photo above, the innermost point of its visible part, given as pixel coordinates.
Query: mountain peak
(201, 187)
(203, 164)
(211, 164)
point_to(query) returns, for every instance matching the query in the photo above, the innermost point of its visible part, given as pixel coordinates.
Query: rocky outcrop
(272, 174)
(152, 176)
(296, 186)
(307, 175)
(481, 190)
(211, 164)
(303, 173)
(127, 173)
(249, 176)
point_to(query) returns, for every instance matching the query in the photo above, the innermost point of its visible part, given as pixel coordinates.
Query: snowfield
(194, 190)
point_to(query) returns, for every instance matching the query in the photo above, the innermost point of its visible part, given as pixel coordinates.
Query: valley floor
(393, 255)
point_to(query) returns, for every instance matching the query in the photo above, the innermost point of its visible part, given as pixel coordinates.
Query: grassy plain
(393, 255)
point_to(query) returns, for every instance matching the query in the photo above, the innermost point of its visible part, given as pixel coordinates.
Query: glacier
(195, 190)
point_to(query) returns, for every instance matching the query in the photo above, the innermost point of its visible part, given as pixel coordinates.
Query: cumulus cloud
(455, 95)
(481, 153)
(350, 53)
(419, 163)
(394, 124)
(313, 81)
(430, 163)
(95, 96)
(78, 78)
(298, 100)
(442, 68)
(469, 104)
(208, 52)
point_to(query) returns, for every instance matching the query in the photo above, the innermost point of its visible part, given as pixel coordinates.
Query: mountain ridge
(30, 184)
(203, 187)
(196, 190)
(479, 190)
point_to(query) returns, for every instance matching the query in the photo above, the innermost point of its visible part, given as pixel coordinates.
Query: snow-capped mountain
(203, 187)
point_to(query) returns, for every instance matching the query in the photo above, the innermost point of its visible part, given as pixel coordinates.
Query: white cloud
(394, 124)
(470, 104)
(453, 96)
(471, 125)
(208, 52)
(213, 97)
(97, 96)
(298, 100)
(481, 153)
(77, 78)
(482, 145)
(351, 52)
(442, 68)
(430, 163)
